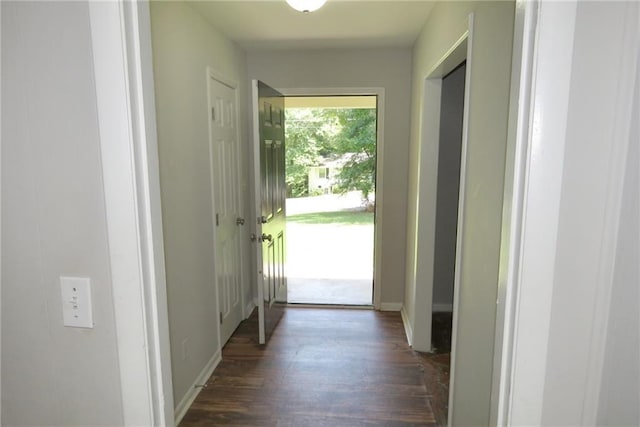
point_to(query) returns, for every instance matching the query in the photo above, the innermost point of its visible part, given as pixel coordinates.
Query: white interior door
(270, 198)
(226, 203)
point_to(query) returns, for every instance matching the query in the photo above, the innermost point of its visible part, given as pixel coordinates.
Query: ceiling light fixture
(306, 6)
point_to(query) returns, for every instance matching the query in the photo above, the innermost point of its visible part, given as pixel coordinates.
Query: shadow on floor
(437, 366)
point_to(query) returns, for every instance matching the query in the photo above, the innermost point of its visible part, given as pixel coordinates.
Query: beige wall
(488, 103)
(386, 68)
(53, 222)
(621, 387)
(184, 44)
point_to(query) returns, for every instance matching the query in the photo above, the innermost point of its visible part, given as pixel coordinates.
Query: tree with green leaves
(305, 136)
(355, 142)
(317, 135)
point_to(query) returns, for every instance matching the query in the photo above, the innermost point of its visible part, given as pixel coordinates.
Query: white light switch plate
(76, 302)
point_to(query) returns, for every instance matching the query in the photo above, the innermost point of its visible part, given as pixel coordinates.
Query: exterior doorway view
(331, 176)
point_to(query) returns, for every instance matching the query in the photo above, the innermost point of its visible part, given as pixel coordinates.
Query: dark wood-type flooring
(437, 365)
(322, 367)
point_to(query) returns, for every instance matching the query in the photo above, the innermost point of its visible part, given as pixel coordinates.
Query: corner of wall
(200, 382)
(390, 306)
(407, 325)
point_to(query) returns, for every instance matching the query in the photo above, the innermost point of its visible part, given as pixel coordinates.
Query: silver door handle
(266, 237)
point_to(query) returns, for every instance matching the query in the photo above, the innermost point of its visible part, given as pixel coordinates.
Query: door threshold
(338, 306)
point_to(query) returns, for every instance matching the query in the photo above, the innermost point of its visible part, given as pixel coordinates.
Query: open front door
(270, 194)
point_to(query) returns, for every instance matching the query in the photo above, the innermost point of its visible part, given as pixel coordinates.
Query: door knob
(239, 221)
(266, 237)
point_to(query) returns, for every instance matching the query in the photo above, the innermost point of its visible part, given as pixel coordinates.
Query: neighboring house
(324, 177)
(572, 339)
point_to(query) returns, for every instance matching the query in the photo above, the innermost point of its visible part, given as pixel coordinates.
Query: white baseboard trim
(442, 308)
(332, 306)
(408, 330)
(249, 308)
(194, 390)
(390, 306)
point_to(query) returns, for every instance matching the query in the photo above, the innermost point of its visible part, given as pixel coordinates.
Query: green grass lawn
(336, 218)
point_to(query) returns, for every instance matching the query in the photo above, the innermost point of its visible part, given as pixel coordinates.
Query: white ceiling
(272, 24)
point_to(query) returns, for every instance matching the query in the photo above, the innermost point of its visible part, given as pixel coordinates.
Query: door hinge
(213, 113)
(221, 318)
(217, 219)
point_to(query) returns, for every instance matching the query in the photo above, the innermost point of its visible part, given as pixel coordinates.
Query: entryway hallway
(321, 367)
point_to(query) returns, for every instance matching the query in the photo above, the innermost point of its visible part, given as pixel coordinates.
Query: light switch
(76, 302)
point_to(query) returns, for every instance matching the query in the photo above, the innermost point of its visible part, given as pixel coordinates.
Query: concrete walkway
(329, 263)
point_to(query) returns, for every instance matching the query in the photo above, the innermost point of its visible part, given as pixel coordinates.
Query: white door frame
(541, 89)
(256, 212)
(524, 38)
(377, 237)
(428, 171)
(121, 41)
(535, 205)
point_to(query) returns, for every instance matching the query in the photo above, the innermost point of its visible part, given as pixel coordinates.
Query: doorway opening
(451, 131)
(447, 202)
(441, 208)
(331, 153)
